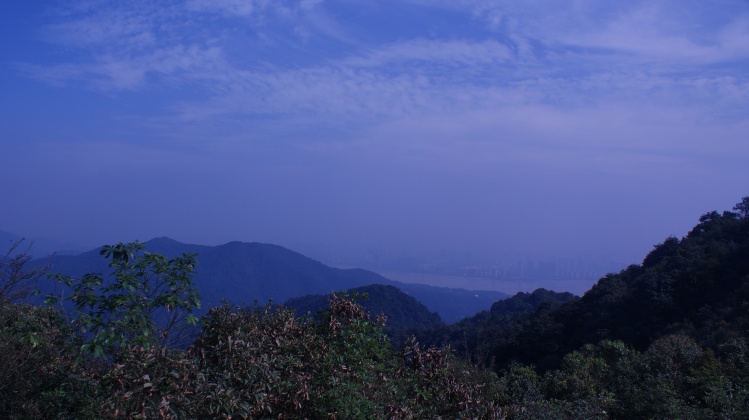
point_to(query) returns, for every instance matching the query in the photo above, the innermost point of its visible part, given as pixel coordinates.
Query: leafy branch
(144, 302)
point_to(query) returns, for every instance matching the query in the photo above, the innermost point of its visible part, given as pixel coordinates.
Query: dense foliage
(109, 358)
(248, 362)
(405, 315)
(666, 339)
(148, 300)
(475, 337)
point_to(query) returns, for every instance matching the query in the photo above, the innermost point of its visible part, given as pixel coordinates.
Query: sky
(505, 129)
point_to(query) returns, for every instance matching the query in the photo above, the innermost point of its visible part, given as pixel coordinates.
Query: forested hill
(697, 285)
(476, 334)
(404, 313)
(523, 303)
(243, 272)
(665, 339)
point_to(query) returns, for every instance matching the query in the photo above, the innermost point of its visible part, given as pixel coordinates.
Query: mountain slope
(247, 272)
(697, 286)
(523, 303)
(404, 313)
(475, 335)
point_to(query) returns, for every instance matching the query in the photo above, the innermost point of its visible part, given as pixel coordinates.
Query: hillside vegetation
(117, 357)
(696, 286)
(664, 339)
(404, 314)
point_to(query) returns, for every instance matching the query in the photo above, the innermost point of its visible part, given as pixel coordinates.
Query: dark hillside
(697, 286)
(665, 339)
(523, 303)
(475, 336)
(404, 313)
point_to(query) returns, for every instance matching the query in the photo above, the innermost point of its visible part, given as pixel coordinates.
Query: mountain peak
(162, 240)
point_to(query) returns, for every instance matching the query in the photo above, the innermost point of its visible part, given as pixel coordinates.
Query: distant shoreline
(509, 286)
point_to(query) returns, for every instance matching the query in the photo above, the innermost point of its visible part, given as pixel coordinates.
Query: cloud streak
(404, 105)
(131, 48)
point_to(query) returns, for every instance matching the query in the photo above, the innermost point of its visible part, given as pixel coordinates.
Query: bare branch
(17, 280)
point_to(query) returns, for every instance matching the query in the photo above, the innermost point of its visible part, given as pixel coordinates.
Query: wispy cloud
(435, 52)
(664, 31)
(108, 72)
(257, 8)
(646, 34)
(531, 55)
(411, 104)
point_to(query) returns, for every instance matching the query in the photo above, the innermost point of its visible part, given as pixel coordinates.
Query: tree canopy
(664, 339)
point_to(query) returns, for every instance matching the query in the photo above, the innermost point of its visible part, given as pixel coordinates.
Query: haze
(494, 130)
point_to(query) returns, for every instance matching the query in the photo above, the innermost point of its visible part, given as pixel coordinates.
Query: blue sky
(504, 128)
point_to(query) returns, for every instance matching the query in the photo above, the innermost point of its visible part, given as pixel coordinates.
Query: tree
(16, 279)
(146, 300)
(743, 208)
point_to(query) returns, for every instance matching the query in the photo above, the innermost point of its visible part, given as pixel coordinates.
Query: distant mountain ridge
(243, 272)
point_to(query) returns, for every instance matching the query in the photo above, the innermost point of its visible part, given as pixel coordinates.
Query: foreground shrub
(39, 375)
